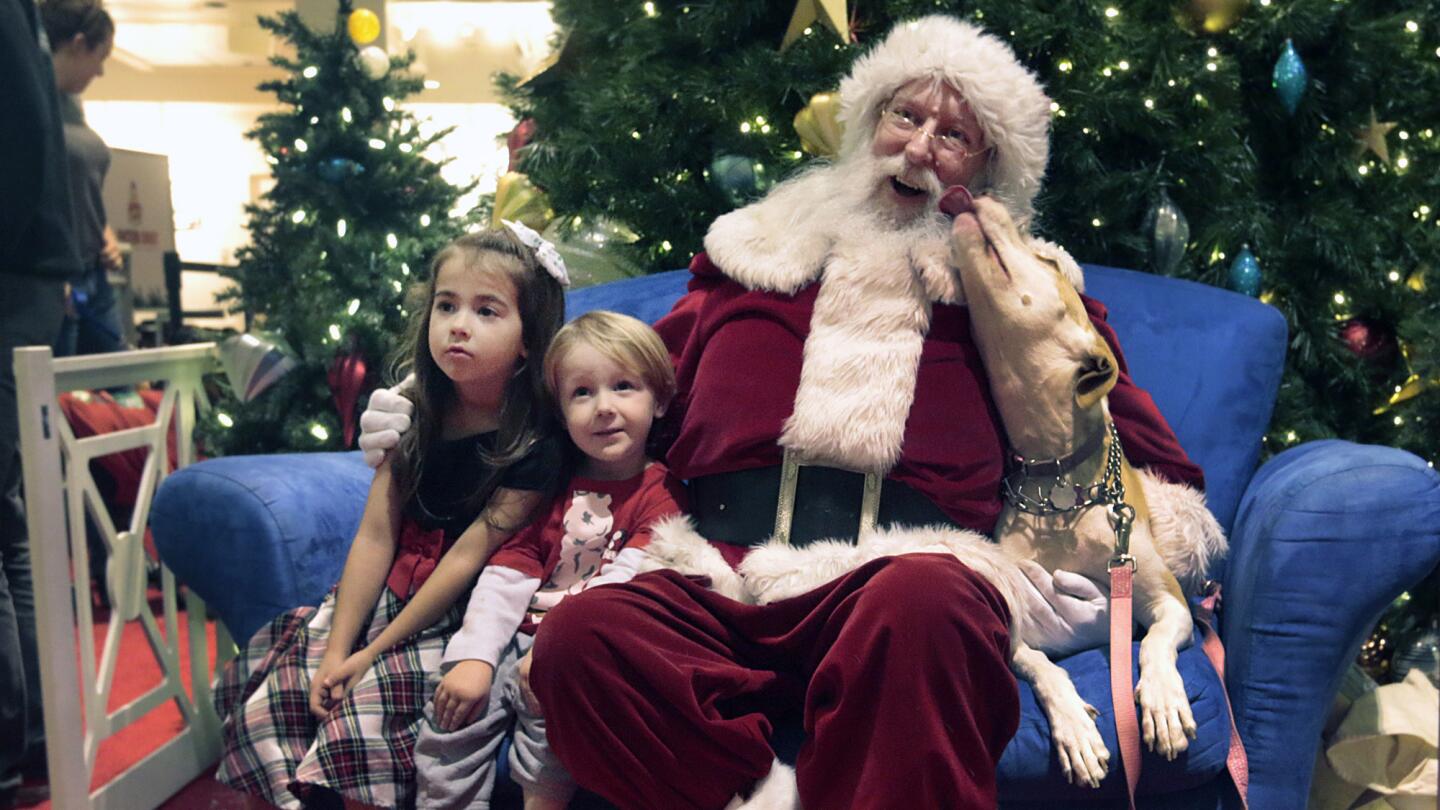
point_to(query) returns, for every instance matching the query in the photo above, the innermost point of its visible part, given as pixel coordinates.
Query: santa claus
(827, 374)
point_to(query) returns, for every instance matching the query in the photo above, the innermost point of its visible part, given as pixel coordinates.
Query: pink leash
(1235, 761)
(1122, 691)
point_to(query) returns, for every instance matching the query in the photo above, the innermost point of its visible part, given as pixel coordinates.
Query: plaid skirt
(275, 748)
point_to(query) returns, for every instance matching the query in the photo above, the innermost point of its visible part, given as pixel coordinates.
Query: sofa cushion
(1029, 771)
(1211, 359)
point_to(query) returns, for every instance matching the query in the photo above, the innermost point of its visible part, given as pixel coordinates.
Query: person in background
(37, 258)
(82, 35)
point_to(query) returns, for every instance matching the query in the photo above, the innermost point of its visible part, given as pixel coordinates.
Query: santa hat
(1012, 107)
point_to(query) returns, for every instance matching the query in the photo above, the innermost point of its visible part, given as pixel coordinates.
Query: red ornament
(347, 380)
(1367, 340)
(518, 138)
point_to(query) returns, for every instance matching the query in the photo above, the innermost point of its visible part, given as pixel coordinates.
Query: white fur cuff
(675, 545)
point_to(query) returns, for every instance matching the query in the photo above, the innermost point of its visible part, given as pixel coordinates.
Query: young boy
(611, 377)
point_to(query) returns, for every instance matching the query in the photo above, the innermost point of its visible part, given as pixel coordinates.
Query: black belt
(739, 507)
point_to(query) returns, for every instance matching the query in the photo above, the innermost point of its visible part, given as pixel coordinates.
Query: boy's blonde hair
(626, 340)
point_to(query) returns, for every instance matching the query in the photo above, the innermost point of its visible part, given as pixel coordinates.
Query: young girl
(611, 376)
(326, 702)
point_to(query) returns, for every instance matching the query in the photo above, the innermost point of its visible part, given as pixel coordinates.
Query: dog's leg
(1167, 723)
(1083, 756)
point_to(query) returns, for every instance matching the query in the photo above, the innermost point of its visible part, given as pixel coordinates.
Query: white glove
(385, 418)
(1064, 613)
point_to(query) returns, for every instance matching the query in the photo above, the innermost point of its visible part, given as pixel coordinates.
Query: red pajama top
(737, 355)
(593, 534)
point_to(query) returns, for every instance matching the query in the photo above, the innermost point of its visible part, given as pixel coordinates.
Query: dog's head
(1027, 318)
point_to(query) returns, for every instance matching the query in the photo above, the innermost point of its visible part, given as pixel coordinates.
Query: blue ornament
(336, 169)
(739, 178)
(1290, 78)
(1245, 273)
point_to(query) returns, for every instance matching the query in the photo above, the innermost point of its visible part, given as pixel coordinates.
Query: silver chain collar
(1062, 496)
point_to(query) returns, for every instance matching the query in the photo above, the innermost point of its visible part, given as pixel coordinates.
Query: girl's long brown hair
(526, 414)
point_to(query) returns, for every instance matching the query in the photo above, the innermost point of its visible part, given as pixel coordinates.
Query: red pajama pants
(661, 694)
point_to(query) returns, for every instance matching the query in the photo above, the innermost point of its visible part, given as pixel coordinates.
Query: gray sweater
(89, 161)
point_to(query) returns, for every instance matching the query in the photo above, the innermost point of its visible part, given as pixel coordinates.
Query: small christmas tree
(355, 213)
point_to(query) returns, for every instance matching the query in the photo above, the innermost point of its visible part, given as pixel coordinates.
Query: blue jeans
(95, 326)
(31, 309)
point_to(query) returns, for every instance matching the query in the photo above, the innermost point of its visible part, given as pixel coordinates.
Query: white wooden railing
(59, 493)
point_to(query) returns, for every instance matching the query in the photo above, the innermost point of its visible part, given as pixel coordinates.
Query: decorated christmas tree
(1286, 149)
(355, 212)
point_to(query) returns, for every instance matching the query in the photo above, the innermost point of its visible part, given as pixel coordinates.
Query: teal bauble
(1290, 78)
(337, 169)
(1244, 275)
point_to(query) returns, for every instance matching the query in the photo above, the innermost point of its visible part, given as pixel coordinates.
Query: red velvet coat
(737, 356)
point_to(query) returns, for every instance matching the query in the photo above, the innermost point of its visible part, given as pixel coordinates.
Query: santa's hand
(385, 418)
(1064, 613)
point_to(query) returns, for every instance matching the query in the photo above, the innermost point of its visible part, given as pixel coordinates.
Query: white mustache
(914, 176)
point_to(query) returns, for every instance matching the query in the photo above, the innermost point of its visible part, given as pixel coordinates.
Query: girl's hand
(523, 670)
(336, 682)
(320, 703)
(462, 694)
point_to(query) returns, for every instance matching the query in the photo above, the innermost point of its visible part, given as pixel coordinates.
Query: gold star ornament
(831, 13)
(1371, 138)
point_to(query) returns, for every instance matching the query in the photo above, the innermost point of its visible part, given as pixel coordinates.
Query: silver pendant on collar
(1063, 495)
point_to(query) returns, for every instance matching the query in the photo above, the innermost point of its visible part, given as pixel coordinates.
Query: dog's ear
(1097, 375)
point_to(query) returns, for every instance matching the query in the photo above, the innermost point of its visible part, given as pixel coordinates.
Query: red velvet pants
(661, 694)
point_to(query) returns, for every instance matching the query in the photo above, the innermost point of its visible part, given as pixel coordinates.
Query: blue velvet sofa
(1322, 537)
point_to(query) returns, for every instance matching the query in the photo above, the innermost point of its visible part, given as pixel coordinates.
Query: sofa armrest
(257, 535)
(1327, 535)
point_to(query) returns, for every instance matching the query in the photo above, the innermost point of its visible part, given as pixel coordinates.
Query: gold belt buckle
(790, 465)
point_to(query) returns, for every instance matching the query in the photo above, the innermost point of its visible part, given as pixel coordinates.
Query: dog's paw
(1166, 722)
(1084, 759)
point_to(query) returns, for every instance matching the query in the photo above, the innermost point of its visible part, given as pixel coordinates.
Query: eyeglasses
(953, 142)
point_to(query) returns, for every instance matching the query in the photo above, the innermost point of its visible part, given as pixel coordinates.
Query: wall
(195, 105)
(214, 169)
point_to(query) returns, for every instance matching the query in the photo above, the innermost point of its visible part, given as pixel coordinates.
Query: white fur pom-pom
(1187, 536)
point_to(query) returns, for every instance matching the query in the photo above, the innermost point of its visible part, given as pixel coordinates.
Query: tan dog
(1050, 372)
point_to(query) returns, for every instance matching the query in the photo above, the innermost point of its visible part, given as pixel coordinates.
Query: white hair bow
(545, 251)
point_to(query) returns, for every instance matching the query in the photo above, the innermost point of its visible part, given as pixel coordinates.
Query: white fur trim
(674, 544)
(1069, 268)
(857, 379)
(777, 790)
(776, 571)
(777, 244)
(1007, 98)
(1187, 536)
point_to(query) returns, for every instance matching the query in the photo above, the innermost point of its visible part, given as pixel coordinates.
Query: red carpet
(138, 672)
